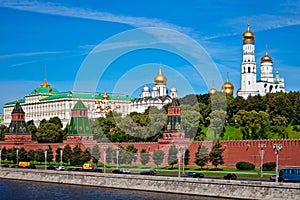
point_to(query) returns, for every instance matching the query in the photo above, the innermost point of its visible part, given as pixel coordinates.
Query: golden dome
(248, 36)
(266, 58)
(227, 87)
(105, 96)
(160, 79)
(212, 91)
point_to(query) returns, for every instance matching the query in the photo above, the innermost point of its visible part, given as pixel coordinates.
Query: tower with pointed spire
(174, 133)
(17, 130)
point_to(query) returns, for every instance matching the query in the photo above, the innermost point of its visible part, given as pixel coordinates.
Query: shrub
(269, 166)
(245, 166)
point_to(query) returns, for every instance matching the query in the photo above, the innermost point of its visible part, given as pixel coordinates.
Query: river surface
(26, 190)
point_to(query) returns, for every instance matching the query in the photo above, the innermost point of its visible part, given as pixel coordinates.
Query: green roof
(79, 106)
(79, 126)
(45, 90)
(14, 102)
(83, 95)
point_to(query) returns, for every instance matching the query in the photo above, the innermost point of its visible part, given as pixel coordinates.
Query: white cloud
(27, 54)
(56, 9)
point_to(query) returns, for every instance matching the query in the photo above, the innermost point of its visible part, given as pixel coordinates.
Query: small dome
(146, 88)
(238, 91)
(44, 88)
(248, 36)
(105, 96)
(160, 79)
(212, 91)
(173, 89)
(228, 88)
(266, 58)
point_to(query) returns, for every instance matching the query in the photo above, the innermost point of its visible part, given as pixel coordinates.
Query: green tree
(56, 121)
(144, 157)
(31, 155)
(67, 154)
(39, 155)
(215, 156)
(280, 124)
(3, 130)
(158, 157)
(109, 155)
(4, 154)
(48, 133)
(217, 122)
(172, 156)
(22, 154)
(202, 156)
(131, 152)
(77, 157)
(32, 128)
(95, 154)
(186, 157)
(57, 155)
(49, 154)
(191, 118)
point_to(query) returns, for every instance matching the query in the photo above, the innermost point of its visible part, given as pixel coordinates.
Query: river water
(26, 190)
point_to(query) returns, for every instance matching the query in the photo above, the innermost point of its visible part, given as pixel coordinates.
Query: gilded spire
(45, 84)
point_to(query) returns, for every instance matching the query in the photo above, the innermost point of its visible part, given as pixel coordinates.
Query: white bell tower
(248, 66)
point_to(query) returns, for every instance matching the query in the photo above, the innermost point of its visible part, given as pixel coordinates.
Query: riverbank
(202, 187)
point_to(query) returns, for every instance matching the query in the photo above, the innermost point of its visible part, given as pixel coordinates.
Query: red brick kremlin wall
(235, 151)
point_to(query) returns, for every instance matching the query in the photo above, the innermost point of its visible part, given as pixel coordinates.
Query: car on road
(5, 165)
(121, 171)
(14, 166)
(273, 177)
(230, 176)
(194, 175)
(148, 172)
(60, 168)
(51, 167)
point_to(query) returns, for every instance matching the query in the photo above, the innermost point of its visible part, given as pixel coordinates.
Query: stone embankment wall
(204, 187)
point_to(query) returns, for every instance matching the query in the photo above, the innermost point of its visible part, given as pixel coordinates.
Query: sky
(133, 39)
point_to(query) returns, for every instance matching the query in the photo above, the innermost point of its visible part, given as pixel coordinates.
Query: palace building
(158, 96)
(45, 102)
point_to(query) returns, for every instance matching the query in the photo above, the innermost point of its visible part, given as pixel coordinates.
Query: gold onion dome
(248, 36)
(212, 91)
(160, 79)
(266, 58)
(227, 87)
(105, 96)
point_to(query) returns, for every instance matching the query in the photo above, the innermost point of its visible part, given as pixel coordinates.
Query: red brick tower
(18, 132)
(174, 133)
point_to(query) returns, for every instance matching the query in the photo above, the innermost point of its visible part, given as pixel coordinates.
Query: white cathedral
(267, 83)
(158, 97)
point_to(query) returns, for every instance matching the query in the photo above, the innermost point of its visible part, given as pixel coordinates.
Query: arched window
(249, 69)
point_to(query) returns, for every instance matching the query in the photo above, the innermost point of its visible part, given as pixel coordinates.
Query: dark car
(78, 169)
(14, 166)
(194, 175)
(230, 177)
(148, 172)
(51, 167)
(71, 169)
(31, 167)
(120, 171)
(5, 165)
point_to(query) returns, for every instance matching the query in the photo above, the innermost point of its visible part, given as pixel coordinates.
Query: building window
(249, 70)
(248, 82)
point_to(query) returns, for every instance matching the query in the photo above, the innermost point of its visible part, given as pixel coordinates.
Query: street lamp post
(105, 147)
(61, 151)
(179, 147)
(17, 152)
(277, 148)
(262, 152)
(0, 155)
(117, 152)
(45, 152)
(183, 157)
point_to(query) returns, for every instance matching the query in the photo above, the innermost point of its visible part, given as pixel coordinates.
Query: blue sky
(61, 34)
